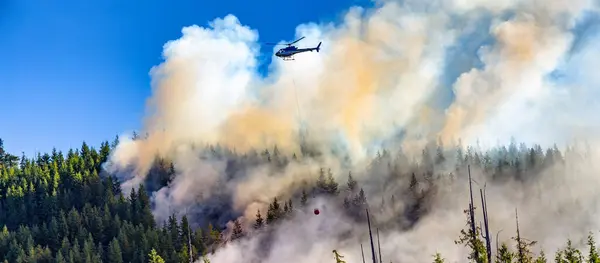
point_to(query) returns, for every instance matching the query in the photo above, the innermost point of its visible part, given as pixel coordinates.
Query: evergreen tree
(472, 240)
(593, 252)
(571, 254)
(322, 182)
(413, 182)
(185, 229)
(145, 212)
(215, 235)
(331, 185)
(184, 254)
(347, 203)
(558, 258)
(114, 252)
(259, 220)
(303, 198)
(60, 258)
(174, 232)
(438, 258)
(439, 156)
(360, 199)
(352, 184)
(237, 230)
(504, 255)
(154, 257)
(541, 258)
(274, 211)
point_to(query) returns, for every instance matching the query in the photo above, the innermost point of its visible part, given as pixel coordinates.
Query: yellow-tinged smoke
(525, 52)
(379, 71)
(367, 81)
(376, 74)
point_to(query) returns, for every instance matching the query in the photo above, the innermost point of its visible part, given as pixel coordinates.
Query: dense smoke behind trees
(66, 208)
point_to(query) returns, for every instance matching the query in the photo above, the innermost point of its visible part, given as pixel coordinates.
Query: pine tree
(413, 182)
(352, 184)
(185, 229)
(276, 207)
(347, 203)
(322, 182)
(593, 253)
(438, 258)
(174, 231)
(331, 184)
(541, 258)
(16, 253)
(571, 254)
(285, 208)
(558, 258)
(237, 230)
(88, 251)
(439, 157)
(215, 236)
(145, 209)
(259, 220)
(274, 211)
(184, 254)
(472, 240)
(504, 255)
(360, 199)
(303, 198)
(114, 252)
(154, 257)
(60, 258)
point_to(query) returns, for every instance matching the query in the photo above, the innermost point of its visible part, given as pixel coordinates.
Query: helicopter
(288, 52)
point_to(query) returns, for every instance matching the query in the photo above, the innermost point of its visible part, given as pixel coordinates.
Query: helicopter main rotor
(287, 44)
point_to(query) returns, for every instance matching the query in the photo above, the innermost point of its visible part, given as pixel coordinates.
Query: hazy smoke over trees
(411, 77)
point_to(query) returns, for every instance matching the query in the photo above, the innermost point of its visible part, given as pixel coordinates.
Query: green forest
(59, 207)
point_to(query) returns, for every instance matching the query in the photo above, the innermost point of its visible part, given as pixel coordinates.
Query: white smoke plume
(380, 71)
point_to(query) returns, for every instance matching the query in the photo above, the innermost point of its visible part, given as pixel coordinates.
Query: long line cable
(297, 102)
(301, 125)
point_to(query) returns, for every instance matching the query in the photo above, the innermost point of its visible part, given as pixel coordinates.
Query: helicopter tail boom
(318, 47)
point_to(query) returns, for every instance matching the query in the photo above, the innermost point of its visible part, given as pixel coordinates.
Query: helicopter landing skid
(288, 59)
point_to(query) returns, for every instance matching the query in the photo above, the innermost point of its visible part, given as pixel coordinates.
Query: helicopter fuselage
(292, 50)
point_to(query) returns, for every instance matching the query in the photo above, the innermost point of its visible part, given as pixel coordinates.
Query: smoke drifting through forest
(381, 80)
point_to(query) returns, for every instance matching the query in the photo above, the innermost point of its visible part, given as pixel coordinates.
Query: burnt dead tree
(362, 252)
(379, 246)
(371, 237)
(472, 215)
(488, 243)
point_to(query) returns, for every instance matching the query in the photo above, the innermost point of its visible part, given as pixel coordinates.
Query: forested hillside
(60, 207)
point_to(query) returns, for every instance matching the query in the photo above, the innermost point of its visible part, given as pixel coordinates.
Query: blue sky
(78, 70)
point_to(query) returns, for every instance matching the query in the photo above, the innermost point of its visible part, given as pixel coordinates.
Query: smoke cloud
(385, 77)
